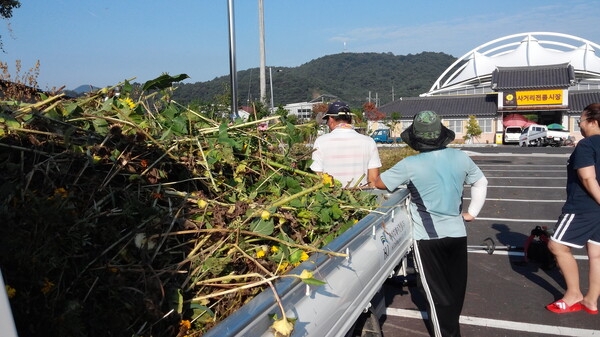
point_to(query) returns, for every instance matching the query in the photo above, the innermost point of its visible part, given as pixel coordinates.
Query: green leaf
(179, 126)
(252, 195)
(175, 299)
(170, 112)
(306, 214)
(9, 121)
(72, 109)
(108, 105)
(296, 256)
(328, 238)
(263, 227)
(163, 81)
(201, 314)
(224, 136)
(215, 265)
(313, 281)
(296, 203)
(293, 185)
(126, 88)
(325, 217)
(100, 125)
(336, 212)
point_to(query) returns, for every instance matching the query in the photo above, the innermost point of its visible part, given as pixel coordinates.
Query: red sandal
(588, 310)
(561, 307)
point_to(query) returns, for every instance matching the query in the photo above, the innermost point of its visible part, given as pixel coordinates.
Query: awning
(516, 120)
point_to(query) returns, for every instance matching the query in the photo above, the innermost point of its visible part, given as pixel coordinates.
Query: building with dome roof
(548, 78)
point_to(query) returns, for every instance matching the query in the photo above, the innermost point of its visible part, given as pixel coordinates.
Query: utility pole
(232, 67)
(271, 87)
(263, 77)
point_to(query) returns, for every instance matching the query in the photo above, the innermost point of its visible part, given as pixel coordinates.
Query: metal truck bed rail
(376, 245)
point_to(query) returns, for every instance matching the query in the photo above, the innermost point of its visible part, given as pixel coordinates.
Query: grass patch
(391, 155)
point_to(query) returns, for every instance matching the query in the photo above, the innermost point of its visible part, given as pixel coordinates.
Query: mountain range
(353, 77)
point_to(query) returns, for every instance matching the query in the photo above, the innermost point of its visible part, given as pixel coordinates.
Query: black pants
(442, 266)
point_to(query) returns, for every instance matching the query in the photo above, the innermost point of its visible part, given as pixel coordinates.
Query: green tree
(6, 8)
(394, 120)
(473, 129)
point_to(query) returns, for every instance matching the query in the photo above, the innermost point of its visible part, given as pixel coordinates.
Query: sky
(102, 43)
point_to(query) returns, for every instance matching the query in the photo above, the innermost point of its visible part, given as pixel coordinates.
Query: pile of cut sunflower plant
(131, 215)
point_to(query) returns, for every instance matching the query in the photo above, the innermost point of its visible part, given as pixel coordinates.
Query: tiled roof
(479, 105)
(447, 106)
(558, 76)
(578, 100)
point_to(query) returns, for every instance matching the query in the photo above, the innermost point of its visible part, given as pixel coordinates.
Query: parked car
(511, 134)
(556, 137)
(539, 135)
(383, 136)
(533, 135)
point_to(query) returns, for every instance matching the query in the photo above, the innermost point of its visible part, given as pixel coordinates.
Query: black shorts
(575, 230)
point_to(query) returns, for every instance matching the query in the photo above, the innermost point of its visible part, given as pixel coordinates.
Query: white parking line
(521, 171)
(515, 253)
(517, 220)
(503, 154)
(502, 324)
(519, 200)
(523, 165)
(528, 178)
(529, 187)
(496, 252)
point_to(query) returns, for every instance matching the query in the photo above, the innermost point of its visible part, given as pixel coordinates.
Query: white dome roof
(474, 69)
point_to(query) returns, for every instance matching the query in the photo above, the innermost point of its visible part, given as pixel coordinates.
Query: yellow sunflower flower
(129, 102)
(10, 291)
(327, 179)
(304, 256)
(47, 287)
(282, 267)
(60, 192)
(185, 324)
(265, 215)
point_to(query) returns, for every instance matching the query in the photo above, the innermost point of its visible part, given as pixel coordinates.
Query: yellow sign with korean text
(539, 97)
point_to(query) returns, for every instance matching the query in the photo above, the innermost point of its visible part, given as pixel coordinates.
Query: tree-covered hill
(350, 76)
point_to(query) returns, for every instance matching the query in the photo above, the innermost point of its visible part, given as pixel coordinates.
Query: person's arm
(587, 176)
(372, 176)
(478, 194)
(377, 183)
(317, 159)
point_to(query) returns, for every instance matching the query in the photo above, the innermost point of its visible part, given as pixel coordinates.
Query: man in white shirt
(348, 156)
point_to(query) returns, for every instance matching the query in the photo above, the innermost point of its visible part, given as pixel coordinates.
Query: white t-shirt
(346, 155)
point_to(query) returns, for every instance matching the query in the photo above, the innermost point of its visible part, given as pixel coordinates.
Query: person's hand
(468, 217)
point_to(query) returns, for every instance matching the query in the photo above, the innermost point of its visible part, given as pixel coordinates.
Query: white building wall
(302, 110)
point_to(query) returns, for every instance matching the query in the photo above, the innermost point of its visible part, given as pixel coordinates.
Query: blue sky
(105, 42)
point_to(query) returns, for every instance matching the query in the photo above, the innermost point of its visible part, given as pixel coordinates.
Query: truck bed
(375, 246)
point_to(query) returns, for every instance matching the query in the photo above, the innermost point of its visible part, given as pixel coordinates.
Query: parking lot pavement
(505, 295)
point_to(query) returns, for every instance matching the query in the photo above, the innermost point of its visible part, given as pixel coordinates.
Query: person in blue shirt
(435, 179)
(579, 223)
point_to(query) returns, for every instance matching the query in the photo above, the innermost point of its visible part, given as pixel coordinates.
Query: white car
(511, 134)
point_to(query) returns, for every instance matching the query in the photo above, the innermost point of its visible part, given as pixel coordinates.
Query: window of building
(455, 125)
(304, 113)
(485, 125)
(575, 125)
